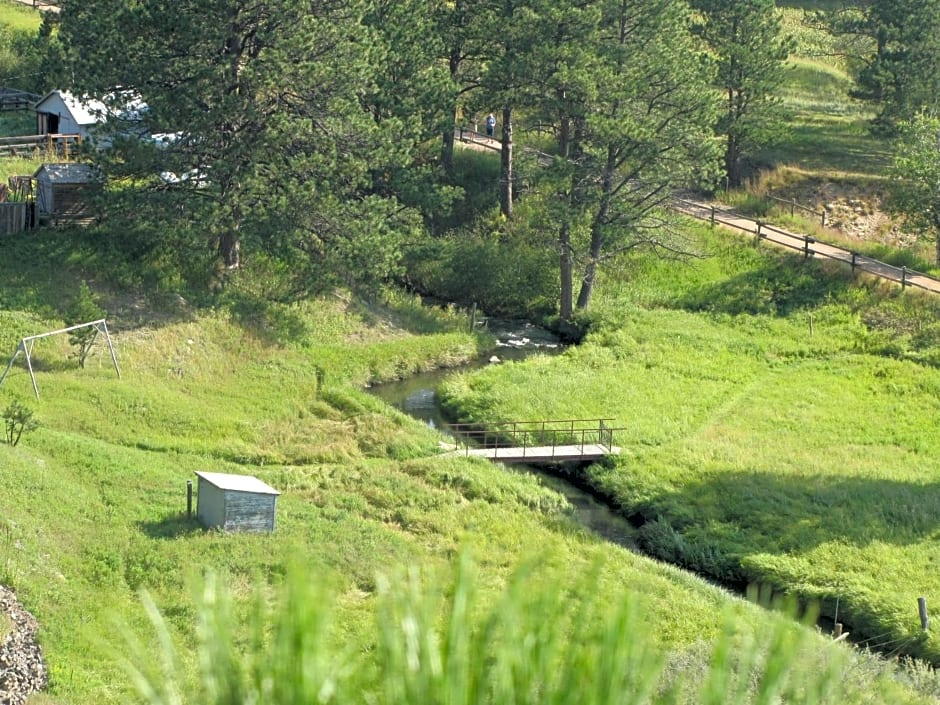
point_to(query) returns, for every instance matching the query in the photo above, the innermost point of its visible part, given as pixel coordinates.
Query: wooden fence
(12, 99)
(59, 144)
(14, 217)
(807, 244)
(794, 206)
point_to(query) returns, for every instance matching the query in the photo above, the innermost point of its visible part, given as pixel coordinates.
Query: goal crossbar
(25, 346)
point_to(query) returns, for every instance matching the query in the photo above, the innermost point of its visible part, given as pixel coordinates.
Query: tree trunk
(505, 168)
(733, 162)
(567, 286)
(447, 152)
(936, 229)
(597, 232)
(229, 247)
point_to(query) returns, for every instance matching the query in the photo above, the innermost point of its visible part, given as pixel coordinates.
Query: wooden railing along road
(806, 244)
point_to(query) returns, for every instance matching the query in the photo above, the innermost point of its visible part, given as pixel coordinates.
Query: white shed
(235, 502)
(61, 113)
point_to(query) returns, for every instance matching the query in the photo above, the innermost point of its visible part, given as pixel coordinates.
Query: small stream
(416, 396)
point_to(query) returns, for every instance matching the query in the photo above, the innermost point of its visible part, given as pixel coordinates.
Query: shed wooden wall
(12, 218)
(232, 510)
(248, 511)
(210, 505)
(65, 202)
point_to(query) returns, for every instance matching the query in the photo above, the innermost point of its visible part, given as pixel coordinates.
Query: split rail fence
(806, 244)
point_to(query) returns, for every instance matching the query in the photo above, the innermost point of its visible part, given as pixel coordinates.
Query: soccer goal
(25, 347)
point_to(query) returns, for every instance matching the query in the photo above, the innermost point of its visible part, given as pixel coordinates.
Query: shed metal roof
(67, 173)
(84, 110)
(237, 483)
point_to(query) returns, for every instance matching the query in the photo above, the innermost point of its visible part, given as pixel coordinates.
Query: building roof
(67, 173)
(90, 111)
(84, 111)
(237, 483)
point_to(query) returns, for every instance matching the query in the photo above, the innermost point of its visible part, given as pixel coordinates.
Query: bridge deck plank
(538, 454)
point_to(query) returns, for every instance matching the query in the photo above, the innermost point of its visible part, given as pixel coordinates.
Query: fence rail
(57, 143)
(794, 206)
(807, 244)
(13, 99)
(558, 438)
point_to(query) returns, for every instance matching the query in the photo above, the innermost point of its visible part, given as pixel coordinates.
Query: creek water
(417, 397)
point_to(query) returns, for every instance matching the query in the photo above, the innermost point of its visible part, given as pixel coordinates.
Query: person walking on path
(490, 124)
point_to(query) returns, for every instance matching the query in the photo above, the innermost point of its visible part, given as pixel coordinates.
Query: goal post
(25, 346)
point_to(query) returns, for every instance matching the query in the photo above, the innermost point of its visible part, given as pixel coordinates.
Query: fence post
(854, 255)
(713, 217)
(903, 277)
(807, 241)
(922, 609)
(758, 230)
(792, 207)
(824, 217)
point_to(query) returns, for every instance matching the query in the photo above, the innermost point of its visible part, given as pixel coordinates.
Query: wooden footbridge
(535, 442)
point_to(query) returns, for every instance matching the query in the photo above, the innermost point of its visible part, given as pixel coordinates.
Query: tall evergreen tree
(635, 123)
(900, 71)
(917, 163)
(749, 46)
(272, 143)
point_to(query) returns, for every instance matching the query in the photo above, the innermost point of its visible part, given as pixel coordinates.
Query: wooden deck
(539, 454)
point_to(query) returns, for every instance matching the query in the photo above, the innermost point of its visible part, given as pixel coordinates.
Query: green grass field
(778, 424)
(93, 502)
(776, 430)
(19, 17)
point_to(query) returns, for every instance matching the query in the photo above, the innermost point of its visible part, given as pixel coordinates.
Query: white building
(62, 113)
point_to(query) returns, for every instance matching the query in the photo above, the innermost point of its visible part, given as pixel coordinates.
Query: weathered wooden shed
(63, 192)
(235, 502)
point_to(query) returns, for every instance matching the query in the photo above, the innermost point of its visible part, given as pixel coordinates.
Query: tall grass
(544, 639)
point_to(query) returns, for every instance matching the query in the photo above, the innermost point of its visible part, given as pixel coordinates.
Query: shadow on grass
(782, 285)
(714, 526)
(763, 512)
(171, 527)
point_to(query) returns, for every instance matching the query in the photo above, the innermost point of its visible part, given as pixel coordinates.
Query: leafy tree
(917, 163)
(272, 144)
(747, 39)
(17, 420)
(83, 309)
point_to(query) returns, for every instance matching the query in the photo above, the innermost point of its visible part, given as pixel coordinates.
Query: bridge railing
(552, 434)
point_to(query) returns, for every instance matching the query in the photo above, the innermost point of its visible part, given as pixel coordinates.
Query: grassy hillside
(779, 424)
(776, 415)
(19, 17)
(93, 503)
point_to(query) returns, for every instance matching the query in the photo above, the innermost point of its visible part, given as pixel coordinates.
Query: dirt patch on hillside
(855, 211)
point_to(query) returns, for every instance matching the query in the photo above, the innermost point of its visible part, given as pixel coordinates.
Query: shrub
(83, 309)
(17, 420)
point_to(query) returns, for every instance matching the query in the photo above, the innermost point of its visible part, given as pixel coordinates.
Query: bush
(17, 420)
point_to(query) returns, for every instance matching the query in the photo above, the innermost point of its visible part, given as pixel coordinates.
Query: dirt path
(39, 5)
(806, 244)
